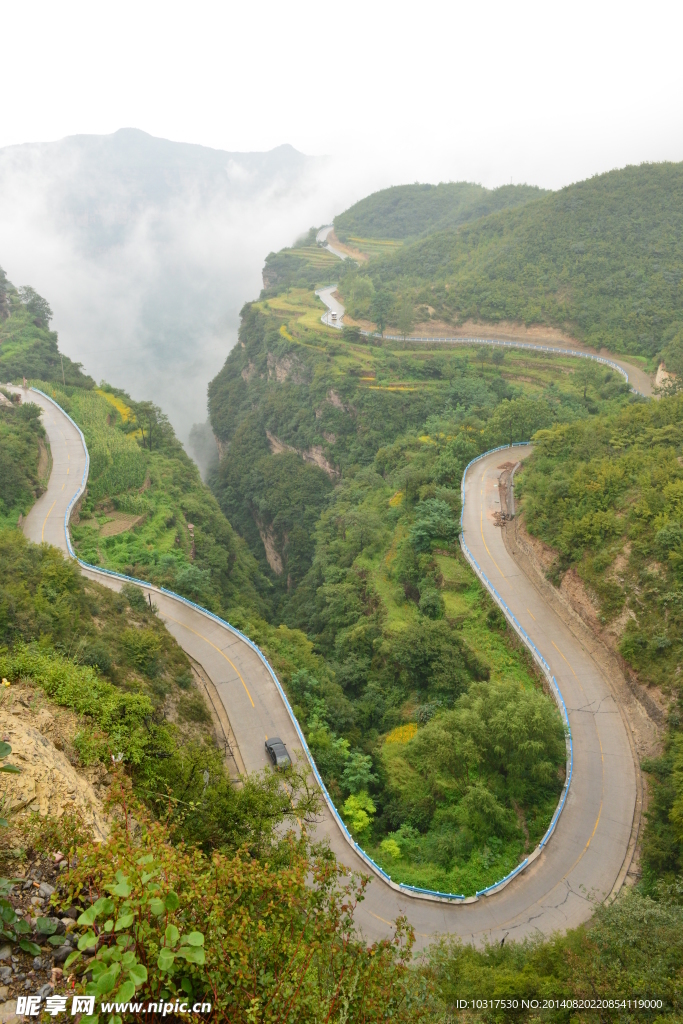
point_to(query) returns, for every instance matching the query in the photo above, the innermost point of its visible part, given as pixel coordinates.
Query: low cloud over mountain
(146, 249)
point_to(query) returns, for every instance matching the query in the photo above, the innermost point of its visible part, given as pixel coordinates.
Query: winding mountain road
(590, 851)
(638, 378)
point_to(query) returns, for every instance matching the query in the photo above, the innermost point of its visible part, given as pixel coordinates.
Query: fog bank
(147, 249)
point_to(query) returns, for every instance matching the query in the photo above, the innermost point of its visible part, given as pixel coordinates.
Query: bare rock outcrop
(285, 368)
(272, 554)
(49, 783)
(315, 455)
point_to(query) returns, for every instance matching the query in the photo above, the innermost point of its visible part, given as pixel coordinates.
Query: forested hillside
(146, 511)
(609, 499)
(601, 259)
(392, 426)
(23, 458)
(107, 657)
(28, 348)
(408, 211)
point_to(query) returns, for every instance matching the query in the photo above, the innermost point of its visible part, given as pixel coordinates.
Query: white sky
(541, 92)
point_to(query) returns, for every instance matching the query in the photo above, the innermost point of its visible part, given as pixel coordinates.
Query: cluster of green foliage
(602, 258)
(408, 683)
(408, 211)
(107, 657)
(28, 348)
(253, 940)
(21, 433)
(609, 499)
(384, 547)
(142, 481)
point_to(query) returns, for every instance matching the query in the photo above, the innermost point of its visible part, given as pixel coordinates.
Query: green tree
(358, 775)
(584, 376)
(405, 317)
(37, 306)
(257, 939)
(359, 810)
(380, 308)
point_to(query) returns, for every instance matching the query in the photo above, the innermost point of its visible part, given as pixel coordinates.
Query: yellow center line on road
(547, 895)
(206, 641)
(382, 919)
(391, 924)
(602, 758)
(597, 820)
(531, 614)
(566, 662)
(602, 755)
(42, 532)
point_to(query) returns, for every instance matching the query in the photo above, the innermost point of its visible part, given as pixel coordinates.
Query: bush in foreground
(258, 940)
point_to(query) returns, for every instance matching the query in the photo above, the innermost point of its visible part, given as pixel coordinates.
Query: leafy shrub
(184, 680)
(134, 596)
(359, 810)
(433, 519)
(143, 647)
(431, 603)
(243, 935)
(357, 775)
(193, 582)
(122, 715)
(96, 654)
(192, 708)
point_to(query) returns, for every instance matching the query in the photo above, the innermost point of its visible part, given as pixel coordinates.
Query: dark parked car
(277, 752)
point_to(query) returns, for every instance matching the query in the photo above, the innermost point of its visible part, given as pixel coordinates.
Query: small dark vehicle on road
(277, 752)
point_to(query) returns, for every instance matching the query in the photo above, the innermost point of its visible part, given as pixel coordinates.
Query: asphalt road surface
(321, 238)
(333, 306)
(587, 856)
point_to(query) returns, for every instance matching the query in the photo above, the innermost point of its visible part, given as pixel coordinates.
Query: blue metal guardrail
(409, 890)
